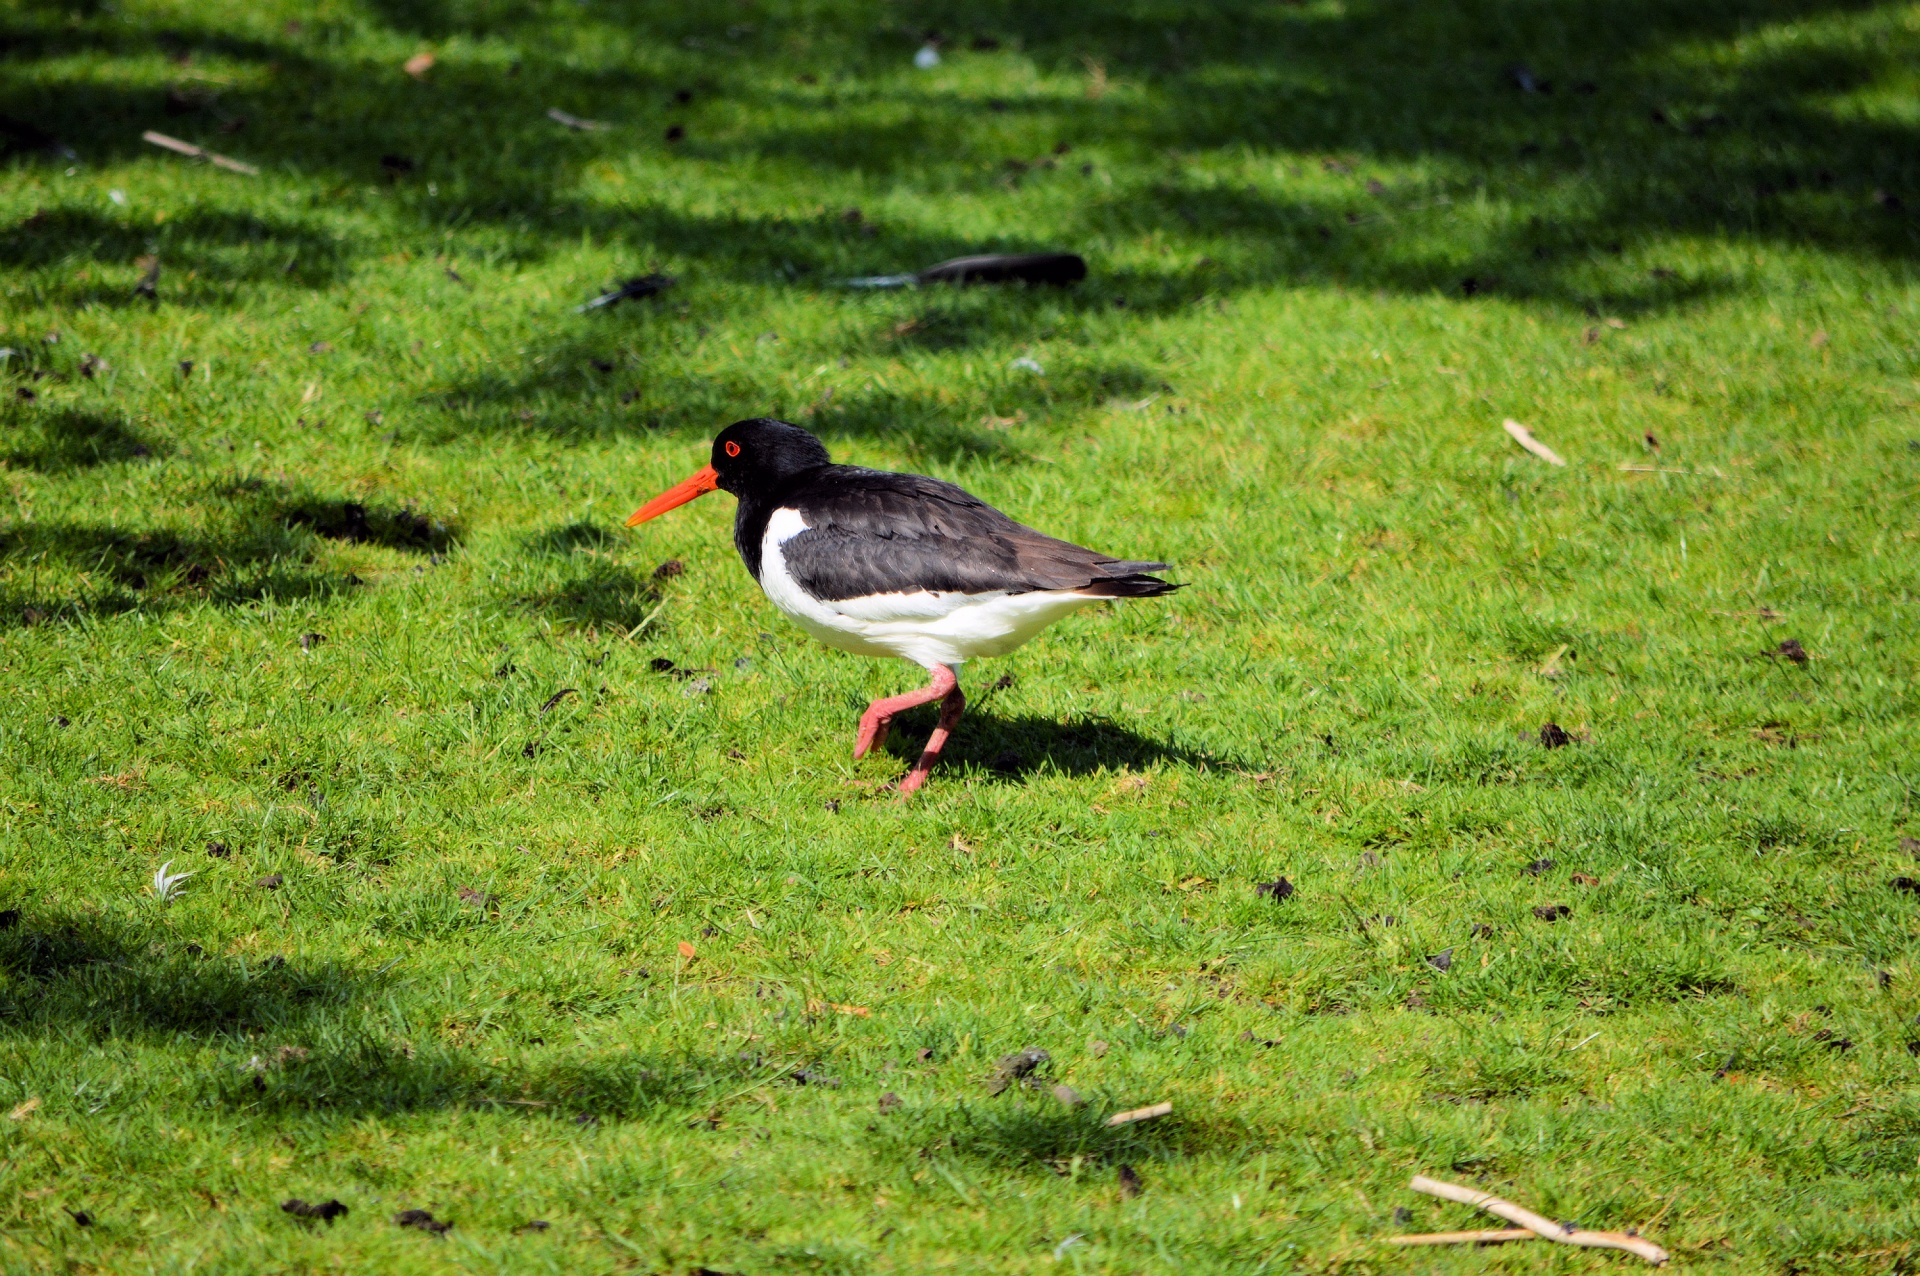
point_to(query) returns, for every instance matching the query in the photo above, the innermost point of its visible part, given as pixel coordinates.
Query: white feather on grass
(168, 886)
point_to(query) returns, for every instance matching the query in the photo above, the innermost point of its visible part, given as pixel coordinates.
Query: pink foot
(943, 686)
(951, 707)
(874, 726)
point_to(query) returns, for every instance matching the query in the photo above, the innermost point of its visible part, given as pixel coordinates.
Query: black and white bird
(883, 564)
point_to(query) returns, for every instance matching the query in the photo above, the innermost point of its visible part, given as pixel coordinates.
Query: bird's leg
(879, 715)
(951, 707)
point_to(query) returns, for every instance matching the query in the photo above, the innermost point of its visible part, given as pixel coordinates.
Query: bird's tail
(1130, 580)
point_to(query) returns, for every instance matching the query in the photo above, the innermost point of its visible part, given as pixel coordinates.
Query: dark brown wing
(870, 532)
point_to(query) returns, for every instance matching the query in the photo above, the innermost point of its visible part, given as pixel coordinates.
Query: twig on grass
(198, 152)
(559, 116)
(1490, 1236)
(646, 620)
(608, 1234)
(1662, 469)
(779, 1072)
(1537, 1224)
(1524, 437)
(570, 934)
(1655, 1220)
(953, 1182)
(1139, 1114)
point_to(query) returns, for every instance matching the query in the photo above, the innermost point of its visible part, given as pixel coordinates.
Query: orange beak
(679, 494)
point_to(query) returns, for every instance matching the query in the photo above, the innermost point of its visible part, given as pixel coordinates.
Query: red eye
(733, 449)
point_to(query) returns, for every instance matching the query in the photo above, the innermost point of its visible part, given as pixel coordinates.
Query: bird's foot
(872, 734)
(951, 706)
(942, 686)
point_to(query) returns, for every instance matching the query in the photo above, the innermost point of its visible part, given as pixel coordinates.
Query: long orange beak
(679, 494)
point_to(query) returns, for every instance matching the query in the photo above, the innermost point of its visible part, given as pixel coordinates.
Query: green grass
(1276, 378)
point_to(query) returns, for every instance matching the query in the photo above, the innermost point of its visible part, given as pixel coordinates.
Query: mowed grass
(314, 559)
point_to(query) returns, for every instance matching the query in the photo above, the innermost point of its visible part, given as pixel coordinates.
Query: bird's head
(748, 456)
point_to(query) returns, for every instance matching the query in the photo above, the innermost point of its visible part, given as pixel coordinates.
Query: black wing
(870, 532)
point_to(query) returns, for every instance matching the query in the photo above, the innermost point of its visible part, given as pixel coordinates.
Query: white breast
(927, 627)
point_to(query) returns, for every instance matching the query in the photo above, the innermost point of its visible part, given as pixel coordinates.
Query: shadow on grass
(1487, 1064)
(264, 547)
(357, 523)
(920, 424)
(66, 440)
(303, 1029)
(89, 569)
(574, 537)
(369, 1074)
(603, 596)
(1019, 1131)
(121, 979)
(564, 392)
(203, 254)
(1615, 100)
(596, 591)
(1014, 748)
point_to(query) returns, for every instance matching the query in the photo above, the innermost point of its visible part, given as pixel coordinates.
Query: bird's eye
(733, 449)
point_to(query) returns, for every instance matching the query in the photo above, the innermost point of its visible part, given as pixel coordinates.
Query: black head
(750, 459)
(761, 453)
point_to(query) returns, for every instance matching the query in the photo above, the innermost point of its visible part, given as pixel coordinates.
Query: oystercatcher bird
(883, 564)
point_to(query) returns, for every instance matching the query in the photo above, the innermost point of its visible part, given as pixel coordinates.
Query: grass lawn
(530, 882)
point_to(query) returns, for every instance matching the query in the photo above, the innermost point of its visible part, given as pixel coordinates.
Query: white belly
(927, 627)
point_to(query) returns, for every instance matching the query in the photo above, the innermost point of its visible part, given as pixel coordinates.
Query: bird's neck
(757, 506)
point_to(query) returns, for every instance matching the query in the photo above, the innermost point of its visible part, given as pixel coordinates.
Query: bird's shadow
(1006, 747)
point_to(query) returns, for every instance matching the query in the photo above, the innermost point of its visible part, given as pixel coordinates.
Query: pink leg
(879, 715)
(950, 709)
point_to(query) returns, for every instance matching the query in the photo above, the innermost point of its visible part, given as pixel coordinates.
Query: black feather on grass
(637, 288)
(1278, 890)
(326, 1211)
